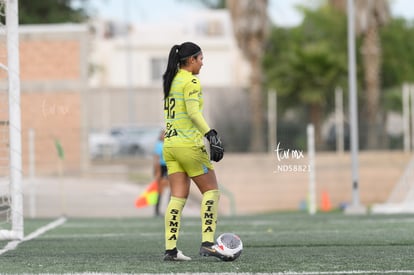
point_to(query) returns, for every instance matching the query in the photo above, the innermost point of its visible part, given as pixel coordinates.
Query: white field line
(344, 272)
(13, 244)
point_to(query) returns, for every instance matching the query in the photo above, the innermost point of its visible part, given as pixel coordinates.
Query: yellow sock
(209, 209)
(173, 221)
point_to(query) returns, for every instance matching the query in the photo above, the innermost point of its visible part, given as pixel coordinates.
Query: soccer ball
(230, 245)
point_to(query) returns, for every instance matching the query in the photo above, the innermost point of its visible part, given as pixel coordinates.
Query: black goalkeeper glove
(216, 147)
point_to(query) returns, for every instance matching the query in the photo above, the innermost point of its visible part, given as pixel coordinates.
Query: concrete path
(86, 197)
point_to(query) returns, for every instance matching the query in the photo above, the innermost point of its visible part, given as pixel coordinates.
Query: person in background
(160, 171)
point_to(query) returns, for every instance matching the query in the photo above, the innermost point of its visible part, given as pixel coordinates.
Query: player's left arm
(192, 104)
(191, 96)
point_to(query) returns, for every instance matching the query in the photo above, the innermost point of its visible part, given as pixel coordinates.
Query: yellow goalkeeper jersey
(185, 124)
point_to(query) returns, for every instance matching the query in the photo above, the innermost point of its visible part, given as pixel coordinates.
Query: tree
(397, 40)
(251, 26)
(306, 63)
(324, 30)
(50, 11)
(370, 15)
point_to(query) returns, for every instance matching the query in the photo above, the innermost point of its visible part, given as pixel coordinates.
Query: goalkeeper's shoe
(210, 249)
(176, 255)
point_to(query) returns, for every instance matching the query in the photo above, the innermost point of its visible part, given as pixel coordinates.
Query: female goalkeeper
(184, 150)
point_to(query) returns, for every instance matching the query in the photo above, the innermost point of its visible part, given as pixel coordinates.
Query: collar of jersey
(182, 71)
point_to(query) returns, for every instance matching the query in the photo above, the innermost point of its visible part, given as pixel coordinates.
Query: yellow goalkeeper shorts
(193, 161)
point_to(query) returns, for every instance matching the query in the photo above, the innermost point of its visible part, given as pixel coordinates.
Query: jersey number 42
(169, 104)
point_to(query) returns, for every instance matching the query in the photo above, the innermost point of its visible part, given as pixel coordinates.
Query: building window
(158, 66)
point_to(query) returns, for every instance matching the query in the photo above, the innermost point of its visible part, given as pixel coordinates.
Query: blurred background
(92, 108)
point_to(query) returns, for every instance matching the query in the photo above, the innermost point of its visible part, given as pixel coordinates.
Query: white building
(126, 83)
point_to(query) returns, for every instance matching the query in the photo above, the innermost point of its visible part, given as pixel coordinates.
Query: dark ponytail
(178, 56)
